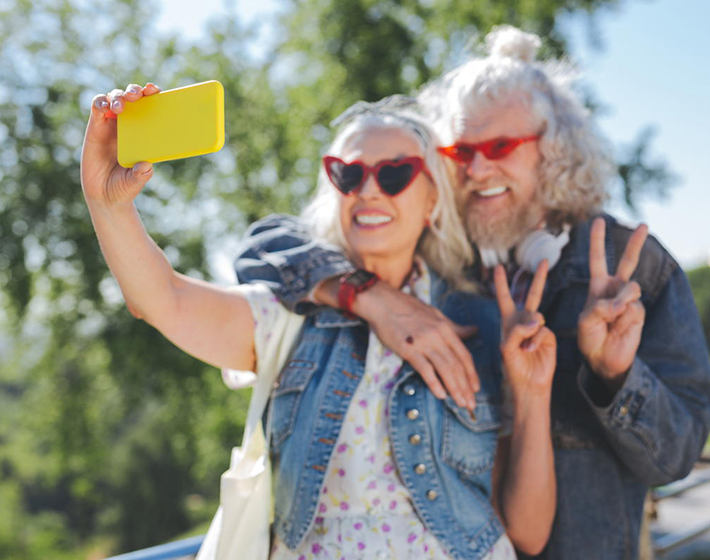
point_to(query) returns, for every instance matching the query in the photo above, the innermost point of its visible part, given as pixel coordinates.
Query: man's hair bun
(508, 41)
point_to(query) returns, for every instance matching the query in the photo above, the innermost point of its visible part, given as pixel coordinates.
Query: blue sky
(652, 69)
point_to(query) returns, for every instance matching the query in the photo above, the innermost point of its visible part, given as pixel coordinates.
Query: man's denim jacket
(444, 455)
(608, 448)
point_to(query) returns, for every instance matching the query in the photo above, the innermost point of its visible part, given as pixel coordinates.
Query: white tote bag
(241, 527)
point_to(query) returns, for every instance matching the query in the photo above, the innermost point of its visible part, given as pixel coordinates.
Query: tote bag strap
(271, 358)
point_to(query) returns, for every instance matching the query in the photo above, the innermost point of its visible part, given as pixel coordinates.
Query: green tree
(699, 279)
(80, 379)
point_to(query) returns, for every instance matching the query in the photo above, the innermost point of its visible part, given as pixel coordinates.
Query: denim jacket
(443, 455)
(608, 448)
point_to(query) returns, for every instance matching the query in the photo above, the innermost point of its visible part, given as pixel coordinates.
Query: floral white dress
(364, 511)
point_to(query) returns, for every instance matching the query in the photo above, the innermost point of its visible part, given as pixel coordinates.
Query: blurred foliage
(699, 279)
(643, 174)
(109, 436)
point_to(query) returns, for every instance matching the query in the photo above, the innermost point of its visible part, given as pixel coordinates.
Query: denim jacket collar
(329, 318)
(573, 266)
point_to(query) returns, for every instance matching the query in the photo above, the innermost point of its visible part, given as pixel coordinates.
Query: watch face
(359, 278)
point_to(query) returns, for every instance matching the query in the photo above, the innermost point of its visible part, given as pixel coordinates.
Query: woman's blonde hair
(443, 245)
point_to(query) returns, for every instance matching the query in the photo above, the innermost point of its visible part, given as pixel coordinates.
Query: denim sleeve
(278, 251)
(658, 421)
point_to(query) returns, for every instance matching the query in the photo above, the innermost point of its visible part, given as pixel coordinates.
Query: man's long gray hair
(576, 163)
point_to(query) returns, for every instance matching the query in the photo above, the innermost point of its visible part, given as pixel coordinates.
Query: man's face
(498, 198)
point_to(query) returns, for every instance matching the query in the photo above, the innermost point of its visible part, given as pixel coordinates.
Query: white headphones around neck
(537, 245)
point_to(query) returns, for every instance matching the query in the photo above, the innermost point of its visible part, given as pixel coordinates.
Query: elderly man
(631, 394)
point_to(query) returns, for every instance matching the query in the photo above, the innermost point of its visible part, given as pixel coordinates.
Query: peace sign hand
(529, 348)
(609, 327)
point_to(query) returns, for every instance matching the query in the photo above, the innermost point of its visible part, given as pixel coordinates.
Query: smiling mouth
(494, 191)
(371, 219)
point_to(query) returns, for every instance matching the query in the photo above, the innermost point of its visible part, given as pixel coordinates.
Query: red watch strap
(348, 290)
(346, 296)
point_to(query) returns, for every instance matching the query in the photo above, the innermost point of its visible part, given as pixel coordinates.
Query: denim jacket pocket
(469, 442)
(288, 391)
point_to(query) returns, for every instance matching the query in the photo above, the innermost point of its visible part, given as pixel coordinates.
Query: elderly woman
(369, 462)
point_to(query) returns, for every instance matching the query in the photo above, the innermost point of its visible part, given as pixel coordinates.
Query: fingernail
(531, 323)
(115, 104)
(101, 103)
(133, 90)
(472, 414)
(440, 394)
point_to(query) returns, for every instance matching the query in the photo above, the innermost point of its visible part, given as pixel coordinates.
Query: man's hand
(424, 337)
(529, 348)
(609, 328)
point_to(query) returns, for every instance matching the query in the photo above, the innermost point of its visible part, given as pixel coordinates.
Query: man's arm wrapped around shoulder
(658, 421)
(279, 251)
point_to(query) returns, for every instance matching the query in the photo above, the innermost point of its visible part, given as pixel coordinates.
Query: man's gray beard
(507, 230)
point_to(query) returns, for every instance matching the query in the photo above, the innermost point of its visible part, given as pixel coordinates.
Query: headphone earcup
(538, 245)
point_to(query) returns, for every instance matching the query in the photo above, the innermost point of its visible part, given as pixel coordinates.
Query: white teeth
(492, 192)
(372, 219)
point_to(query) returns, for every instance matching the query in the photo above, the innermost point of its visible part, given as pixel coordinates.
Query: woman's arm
(524, 484)
(211, 323)
(524, 478)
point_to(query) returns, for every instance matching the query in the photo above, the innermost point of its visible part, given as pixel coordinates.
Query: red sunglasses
(392, 175)
(497, 148)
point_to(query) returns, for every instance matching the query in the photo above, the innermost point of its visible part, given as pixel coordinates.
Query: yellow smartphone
(173, 124)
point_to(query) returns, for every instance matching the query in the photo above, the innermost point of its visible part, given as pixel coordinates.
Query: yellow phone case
(173, 124)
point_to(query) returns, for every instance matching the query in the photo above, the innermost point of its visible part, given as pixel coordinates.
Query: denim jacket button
(624, 410)
(431, 495)
(415, 439)
(409, 390)
(412, 414)
(420, 468)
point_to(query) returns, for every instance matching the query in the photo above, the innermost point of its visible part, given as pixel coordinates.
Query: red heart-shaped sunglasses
(392, 175)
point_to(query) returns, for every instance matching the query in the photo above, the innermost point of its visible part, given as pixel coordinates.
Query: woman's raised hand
(529, 348)
(104, 181)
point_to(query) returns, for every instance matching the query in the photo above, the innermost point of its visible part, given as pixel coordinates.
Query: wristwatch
(352, 284)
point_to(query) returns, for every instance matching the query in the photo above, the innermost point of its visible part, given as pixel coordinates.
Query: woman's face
(378, 226)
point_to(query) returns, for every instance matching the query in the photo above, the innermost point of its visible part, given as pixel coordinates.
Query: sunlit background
(647, 63)
(113, 440)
